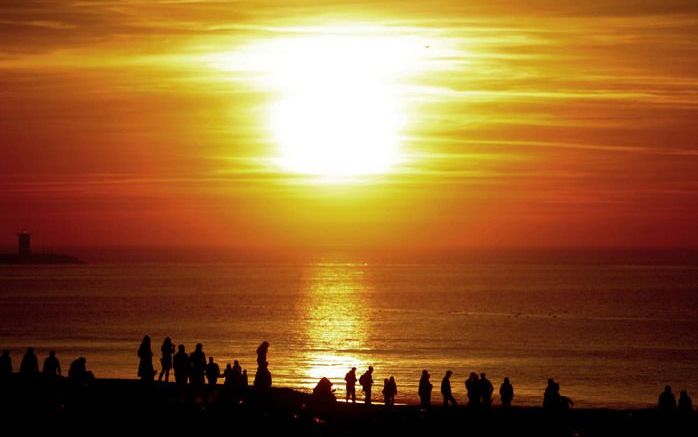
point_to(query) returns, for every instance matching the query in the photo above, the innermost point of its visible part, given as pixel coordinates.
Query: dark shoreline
(134, 405)
(38, 259)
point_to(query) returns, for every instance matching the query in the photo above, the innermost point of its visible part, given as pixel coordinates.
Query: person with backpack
(366, 382)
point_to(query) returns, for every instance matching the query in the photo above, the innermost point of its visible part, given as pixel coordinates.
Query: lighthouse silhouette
(24, 249)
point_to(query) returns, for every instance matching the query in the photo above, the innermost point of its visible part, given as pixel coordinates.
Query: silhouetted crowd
(668, 406)
(29, 368)
(479, 390)
(195, 370)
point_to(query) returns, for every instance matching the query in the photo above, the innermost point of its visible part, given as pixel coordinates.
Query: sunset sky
(459, 123)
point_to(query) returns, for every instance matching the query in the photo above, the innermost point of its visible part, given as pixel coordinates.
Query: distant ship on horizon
(25, 255)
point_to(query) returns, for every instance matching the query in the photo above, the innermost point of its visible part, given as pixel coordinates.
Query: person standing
(486, 390)
(262, 351)
(29, 366)
(386, 391)
(425, 388)
(472, 386)
(685, 406)
(506, 393)
(145, 365)
(685, 402)
(262, 379)
(389, 391)
(244, 385)
(180, 364)
(213, 372)
(52, 367)
(551, 396)
(393, 389)
(228, 381)
(166, 350)
(236, 381)
(366, 382)
(350, 379)
(197, 366)
(446, 389)
(667, 401)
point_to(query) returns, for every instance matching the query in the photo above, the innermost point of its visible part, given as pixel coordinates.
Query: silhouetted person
(506, 393)
(78, 373)
(228, 381)
(262, 379)
(446, 392)
(472, 386)
(213, 372)
(667, 401)
(237, 372)
(245, 385)
(553, 402)
(52, 367)
(551, 396)
(180, 364)
(389, 391)
(323, 393)
(486, 390)
(77, 369)
(385, 391)
(5, 365)
(685, 406)
(424, 390)
(366, 381)
(236, 381)
(393, 389)
(229, 392)
(262, 353)
(685, 402)
(197, 365)
(166, 351)
(29, 367)
(145, 365)
(350, 378)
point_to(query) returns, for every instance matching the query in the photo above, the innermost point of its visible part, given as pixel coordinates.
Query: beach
(118, 405)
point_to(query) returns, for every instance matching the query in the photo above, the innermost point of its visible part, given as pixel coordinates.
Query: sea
(612, 335)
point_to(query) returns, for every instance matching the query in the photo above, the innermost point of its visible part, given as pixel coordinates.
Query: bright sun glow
(338, 114)
(336, 97)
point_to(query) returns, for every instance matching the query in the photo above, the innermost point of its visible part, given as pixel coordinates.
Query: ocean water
(611, 335)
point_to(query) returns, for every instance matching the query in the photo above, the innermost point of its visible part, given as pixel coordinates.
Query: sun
(338, 114)
(337, 97)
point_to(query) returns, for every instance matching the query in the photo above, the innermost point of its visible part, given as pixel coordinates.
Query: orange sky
(538, 123)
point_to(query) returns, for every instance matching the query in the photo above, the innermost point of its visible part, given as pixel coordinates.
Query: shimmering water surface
(611, 335)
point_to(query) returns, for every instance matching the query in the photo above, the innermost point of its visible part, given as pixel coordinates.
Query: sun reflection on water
(336, 325)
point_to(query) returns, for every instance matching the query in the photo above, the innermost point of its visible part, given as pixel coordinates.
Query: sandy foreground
(129, 406)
